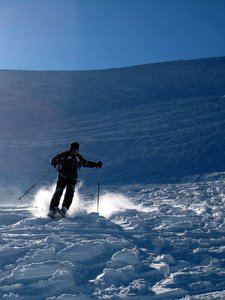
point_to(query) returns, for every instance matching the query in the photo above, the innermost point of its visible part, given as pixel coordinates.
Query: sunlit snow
(160, 230)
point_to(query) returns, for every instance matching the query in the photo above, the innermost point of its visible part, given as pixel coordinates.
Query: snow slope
(159, 234)
(155, 242)
(151, 123)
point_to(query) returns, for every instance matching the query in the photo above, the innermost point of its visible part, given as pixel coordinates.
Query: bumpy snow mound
(169, 244)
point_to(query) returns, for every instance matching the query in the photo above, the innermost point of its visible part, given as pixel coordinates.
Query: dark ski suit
(67, 177)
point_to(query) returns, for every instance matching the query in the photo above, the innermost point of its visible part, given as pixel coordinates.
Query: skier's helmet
(74, 146)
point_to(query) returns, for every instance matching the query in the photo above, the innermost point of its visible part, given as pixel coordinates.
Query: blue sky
(100, 34)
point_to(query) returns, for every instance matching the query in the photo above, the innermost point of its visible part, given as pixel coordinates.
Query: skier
(68, 163)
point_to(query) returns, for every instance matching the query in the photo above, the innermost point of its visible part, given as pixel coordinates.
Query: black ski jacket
(69, 165)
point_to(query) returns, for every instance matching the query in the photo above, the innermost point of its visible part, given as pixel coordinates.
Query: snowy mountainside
(149, 123)
(160, 229)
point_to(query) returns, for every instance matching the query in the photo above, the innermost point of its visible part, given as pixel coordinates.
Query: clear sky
(99, 34)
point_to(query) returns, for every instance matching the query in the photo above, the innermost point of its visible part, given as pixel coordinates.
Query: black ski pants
(63, 183)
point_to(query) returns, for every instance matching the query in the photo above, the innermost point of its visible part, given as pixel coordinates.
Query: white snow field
(160, 231)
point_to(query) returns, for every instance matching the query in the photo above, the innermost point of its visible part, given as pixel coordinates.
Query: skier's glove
(98, 164)
(53, 164)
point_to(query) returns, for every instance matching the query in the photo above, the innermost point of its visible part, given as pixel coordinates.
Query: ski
(57, 215)
(60, 212)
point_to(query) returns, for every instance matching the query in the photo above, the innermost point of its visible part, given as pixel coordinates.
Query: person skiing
(68, 163)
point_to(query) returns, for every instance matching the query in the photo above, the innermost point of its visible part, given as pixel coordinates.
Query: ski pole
(98, 195)
(33, 186)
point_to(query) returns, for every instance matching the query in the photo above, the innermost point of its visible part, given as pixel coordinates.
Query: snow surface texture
(153, 123)
(159, 234)
(162, 242)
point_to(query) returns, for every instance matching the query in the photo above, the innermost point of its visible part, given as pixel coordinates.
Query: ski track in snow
(157, 242)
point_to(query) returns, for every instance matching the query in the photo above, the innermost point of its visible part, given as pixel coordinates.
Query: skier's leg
(70, 188)
(57, 194)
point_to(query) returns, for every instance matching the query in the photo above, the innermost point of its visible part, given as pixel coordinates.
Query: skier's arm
(89, 164)
(57, 160)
